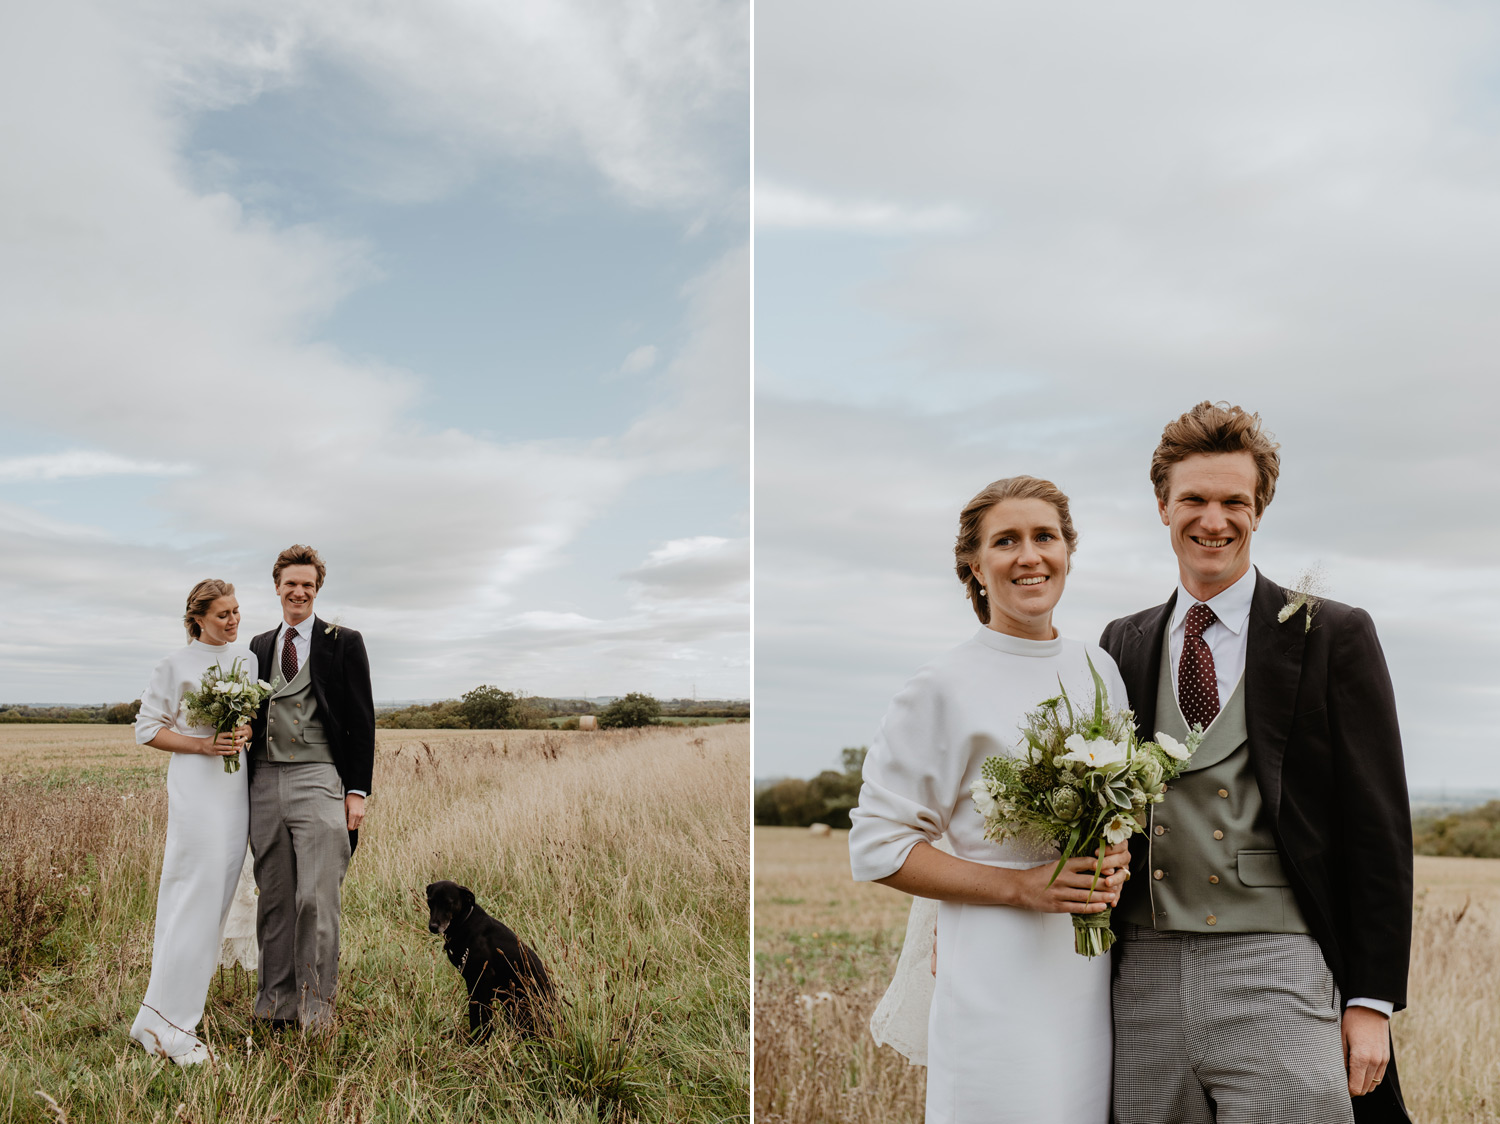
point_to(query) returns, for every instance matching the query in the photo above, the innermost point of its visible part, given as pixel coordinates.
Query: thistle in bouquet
(1084, 782)
(226, 700)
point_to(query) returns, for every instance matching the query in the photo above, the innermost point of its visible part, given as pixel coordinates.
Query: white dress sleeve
(912, 778)
(159, 703)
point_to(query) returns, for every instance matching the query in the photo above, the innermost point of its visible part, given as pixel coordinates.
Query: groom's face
(297, 587)
(1210, 510)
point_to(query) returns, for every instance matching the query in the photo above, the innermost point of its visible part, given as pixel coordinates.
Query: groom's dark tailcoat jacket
(1326, 751)
(340, 673)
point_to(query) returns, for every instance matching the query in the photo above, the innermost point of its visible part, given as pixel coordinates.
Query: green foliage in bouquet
(1085, 782)
(226, 700)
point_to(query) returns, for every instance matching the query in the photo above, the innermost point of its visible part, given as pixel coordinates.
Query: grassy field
(825, 948)
(621, 856)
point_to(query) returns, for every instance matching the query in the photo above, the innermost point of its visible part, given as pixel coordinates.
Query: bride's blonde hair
(204, 594)
(966, 546)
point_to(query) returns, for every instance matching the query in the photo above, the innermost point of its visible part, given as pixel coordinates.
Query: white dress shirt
(1226, 638)
(302, 645)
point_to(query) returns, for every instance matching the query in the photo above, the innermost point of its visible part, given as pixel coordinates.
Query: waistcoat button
(1224, 792)
(1218, 835)
(1211, 919)
(1214, 878)
(1158, 874)
(1160, 830)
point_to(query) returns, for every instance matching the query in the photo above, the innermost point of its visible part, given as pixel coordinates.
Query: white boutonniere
(333, 627)
(1309, 591)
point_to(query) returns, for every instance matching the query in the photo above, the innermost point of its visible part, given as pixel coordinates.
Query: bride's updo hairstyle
(966, 546)
(204, 594)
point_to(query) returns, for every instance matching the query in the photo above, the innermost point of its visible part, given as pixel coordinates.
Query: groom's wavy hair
(299, 555)
(204, 594)
(1217, 427)
(966, 546)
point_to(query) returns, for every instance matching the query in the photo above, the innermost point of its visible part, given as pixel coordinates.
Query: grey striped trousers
(1227, 1028)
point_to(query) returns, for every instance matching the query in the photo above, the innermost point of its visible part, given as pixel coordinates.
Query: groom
(311, 756)
(1266, 928)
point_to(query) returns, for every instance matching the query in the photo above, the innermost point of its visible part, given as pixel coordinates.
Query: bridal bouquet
(1084, 783)
(225, 700)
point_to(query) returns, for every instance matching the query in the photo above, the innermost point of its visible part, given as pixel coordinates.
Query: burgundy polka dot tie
(1197, 682)
(289, 657)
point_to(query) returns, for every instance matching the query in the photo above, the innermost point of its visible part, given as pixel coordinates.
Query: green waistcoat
(1212, 865)
(294, 731)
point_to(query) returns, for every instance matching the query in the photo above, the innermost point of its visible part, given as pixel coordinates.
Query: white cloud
(646, 94)
(641, 359)
(80, 463)
(778, 206)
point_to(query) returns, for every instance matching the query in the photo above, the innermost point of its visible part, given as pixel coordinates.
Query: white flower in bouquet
(1095, 754)
(982, 798)
(1120, 828)
(1172, 747)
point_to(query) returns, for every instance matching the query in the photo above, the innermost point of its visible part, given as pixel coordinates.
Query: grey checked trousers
(1231, 1028)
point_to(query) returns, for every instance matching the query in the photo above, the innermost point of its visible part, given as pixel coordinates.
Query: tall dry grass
(621, 856)
(825, 950)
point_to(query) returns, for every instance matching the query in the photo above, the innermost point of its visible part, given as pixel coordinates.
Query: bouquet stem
(1092, 935)
(231, 764)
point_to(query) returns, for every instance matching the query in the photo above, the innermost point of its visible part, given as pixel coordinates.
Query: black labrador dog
(499, 969)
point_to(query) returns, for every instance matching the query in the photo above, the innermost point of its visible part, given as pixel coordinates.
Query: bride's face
(220, 623)
(1023, 565)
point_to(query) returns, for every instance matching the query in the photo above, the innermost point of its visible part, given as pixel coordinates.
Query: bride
(208, 820)
(1019, 1027)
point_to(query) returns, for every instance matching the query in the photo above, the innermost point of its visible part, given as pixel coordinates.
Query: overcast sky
(456, 293)
(1006, 238)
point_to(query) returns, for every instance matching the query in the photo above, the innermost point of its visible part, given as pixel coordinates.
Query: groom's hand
(1367, 1048)
(354, 810)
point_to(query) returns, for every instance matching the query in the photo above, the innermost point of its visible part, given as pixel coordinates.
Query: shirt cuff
(1384, 1006)
(361, 792)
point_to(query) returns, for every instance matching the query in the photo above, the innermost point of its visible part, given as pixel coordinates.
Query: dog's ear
(465, 898)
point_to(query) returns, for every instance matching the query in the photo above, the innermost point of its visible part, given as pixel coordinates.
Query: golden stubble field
(621, 856)
(825, 948)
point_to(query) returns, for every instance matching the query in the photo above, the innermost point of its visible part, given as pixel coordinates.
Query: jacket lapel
(1273, 669)
(261, 646)
(1141, 668)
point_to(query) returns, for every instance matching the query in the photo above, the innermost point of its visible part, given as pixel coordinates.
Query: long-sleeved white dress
(208, 825)
(1019, 1028)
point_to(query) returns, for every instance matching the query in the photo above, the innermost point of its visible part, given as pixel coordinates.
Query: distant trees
(122, 714)
(1474, 832)
(634, 709)
(490, 708)
(827, 798)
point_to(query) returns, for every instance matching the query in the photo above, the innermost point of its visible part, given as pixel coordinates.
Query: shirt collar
(1231, 606)
(304, 630)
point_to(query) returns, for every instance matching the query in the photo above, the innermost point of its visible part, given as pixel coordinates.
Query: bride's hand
(227, 743)
(1075, 890)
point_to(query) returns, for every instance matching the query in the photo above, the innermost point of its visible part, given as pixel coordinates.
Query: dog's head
(447, 902)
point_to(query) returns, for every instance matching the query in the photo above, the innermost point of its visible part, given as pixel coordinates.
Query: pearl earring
(983, 592)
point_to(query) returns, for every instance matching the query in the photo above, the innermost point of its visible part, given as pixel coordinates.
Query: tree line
(489, 708)
(1474, 832)
(827, 798)
(114, 713)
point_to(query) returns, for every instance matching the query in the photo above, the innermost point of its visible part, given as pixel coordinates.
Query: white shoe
(196, 1056)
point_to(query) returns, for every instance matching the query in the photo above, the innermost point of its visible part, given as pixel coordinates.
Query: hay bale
(820, 829)
(588, 722)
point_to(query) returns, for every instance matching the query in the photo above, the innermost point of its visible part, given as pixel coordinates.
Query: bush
(1474, 833)
(432, 716)
(827, 798)
(490, 708)
(123, 714)
(634, 709)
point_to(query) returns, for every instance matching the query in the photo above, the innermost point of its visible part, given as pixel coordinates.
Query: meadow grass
(825, 948)
(621, 856)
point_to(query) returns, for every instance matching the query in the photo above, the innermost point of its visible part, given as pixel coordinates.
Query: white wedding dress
(208, 824)
(1019, 1024)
